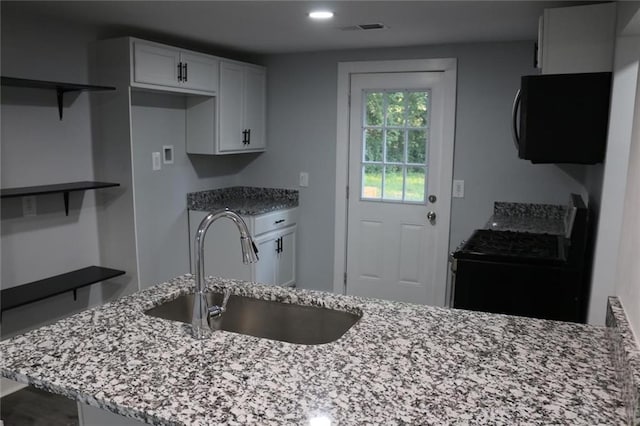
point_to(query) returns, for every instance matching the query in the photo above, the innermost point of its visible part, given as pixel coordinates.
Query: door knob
(431, 216)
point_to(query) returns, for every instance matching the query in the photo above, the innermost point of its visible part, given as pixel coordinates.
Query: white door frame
(449, 67)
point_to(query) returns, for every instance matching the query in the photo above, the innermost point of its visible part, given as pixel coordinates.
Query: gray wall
(302, 137)
(160, 196)
(37, 149)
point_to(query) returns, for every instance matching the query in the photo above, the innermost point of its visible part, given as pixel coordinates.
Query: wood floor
(34, 407)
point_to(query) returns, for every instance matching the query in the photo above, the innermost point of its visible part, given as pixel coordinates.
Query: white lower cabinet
(274, 234)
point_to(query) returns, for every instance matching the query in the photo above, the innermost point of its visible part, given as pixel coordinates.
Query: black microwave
(562, 118)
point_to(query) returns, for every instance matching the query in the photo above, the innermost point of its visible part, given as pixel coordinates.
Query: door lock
(431, 216)
(432, 198)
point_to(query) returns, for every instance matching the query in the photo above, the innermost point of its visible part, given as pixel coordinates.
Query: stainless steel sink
(308, 325)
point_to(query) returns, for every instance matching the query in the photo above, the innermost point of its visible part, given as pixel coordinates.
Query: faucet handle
(225, 299)
(217, 310)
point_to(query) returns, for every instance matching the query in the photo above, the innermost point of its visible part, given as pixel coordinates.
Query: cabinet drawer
(275, 220)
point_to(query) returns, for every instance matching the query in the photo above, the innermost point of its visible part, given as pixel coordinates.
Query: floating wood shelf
(64, 188)
(42, 289)
(59, 87)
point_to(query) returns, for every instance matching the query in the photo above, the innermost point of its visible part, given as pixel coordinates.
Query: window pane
(393, 183)
(372, 145)
(418, 102)
(374, 109)
(415, 187)
(371, 182)
(395, 109)
(395, 146)
(417, 149)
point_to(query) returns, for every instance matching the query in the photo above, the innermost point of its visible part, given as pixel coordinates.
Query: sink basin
(307, 325)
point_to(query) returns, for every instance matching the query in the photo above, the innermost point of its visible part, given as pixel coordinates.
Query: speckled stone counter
(528, 217)
(243, 200)
(626, 358)
(400, 364)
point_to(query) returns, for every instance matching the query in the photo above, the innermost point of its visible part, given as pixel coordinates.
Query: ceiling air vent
(362, 27)
(371, 26)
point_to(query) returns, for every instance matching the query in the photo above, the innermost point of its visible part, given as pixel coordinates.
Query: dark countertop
(243, 200)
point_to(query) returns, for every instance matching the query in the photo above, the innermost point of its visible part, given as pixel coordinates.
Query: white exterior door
(395, 185)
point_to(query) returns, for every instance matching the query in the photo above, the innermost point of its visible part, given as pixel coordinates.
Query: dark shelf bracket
(60, 94)
(66, 203)
(59, 87)
(71, 281)
(64, 188)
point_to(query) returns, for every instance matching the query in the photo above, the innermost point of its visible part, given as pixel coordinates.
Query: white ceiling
(266, 27)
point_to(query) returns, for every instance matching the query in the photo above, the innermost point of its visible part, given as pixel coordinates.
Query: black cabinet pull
(244, 137)
(249, 137)
(278, 221)
(179, 71)
(185, 71)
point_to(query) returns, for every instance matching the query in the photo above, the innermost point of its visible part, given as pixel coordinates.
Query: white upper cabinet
(236, 122)
(242, 108)
(232, 135)
(577, 39)
(156, 66)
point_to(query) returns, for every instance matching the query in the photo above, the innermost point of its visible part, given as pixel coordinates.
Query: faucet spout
(199, 322)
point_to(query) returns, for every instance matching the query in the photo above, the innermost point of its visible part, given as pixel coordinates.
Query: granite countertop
(536, 225)
(244, 200)
(528, 217)
(400, 364)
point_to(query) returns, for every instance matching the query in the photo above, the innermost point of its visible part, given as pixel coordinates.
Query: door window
(395, 136)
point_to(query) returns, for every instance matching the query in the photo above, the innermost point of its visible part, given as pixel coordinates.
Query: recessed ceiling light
(321, 14)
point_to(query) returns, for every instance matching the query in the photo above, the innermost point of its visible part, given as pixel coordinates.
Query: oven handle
(452, 288)
(514, 120)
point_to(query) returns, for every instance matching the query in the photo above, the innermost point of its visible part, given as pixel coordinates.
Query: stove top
(513, 246)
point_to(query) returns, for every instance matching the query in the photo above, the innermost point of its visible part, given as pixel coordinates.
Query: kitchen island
(399, 364)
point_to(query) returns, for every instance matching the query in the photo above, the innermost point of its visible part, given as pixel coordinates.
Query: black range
(526, 274)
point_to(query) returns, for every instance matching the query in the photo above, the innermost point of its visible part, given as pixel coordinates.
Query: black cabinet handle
(278, 221)
(244, 137)
(249, 137)
(179, 71)
(185, 71)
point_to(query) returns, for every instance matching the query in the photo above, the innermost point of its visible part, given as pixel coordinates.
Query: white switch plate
(29, 205)
(458, 189)
(304, 179)
(155, 157)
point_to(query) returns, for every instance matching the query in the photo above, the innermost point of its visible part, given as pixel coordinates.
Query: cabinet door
(230, 104)
(155, 65)
(255, 106)
(266, 268)
(200, 72)
(286, 261)
(578, 39)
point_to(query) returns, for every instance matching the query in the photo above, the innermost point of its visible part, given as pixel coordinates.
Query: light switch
(458, 189)
(304, 179)
(155, 157)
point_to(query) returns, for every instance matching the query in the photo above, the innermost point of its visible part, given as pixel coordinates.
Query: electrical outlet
(167, 152)
(458, 189)
(155, 159)
(29, 206)
(304, 179)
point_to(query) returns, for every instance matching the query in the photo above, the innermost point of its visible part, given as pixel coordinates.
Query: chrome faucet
(201, 311)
